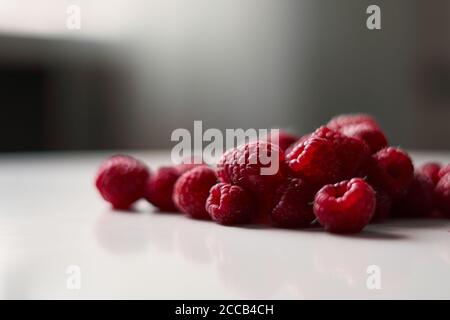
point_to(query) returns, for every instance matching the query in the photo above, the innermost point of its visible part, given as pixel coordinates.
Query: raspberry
(345, 207)
(229, 205)
(314, 160)
(327, 156)
(383, 206)
(352, 154)
(418, 201)
(121, 180)
(391, 169)
(431, 170)
(159, 187)
(282, 139)
(192, 189)
(263, 208)
(292, 206)
(443, 171)
(298, 142)
(243, 166)
(372, 136)
(183, 167)
(442, 194)
(337, 123)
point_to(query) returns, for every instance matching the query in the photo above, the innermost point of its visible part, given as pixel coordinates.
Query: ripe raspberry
(243, 166)
(292, 205)
(382, 207)
(121, 180)
(183, 167)
(372, 136)
(431, 170)
(298, 142)
(345, 207)
(352, 154)
(314, 160)
(391, 169)
(443, 171)
(442, 194)
(337, 123)
(327, 156)
(229, 205)
(418, 201)
(159, 188)
(263, 207)
(192, 189)
(282, 139)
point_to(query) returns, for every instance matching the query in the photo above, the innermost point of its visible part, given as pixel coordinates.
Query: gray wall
(253, 63)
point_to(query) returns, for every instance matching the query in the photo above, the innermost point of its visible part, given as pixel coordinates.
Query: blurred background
(136, 70)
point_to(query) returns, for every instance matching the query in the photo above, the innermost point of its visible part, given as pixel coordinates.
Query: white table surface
(51, 217)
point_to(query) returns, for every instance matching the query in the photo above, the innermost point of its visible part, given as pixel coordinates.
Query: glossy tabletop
(54, 227)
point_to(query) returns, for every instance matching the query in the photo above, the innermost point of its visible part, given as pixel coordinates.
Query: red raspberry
(352, 154)
(192, 189)
(443, 171)
(327, 156)
(183, 167)
(418, 201)
(442, 194)
(263, 208)
(372, 136)
(229, 205)
(383, 206)
(391, 169)
(121, 180)
(159, 187)
(282, 139)
(243, 166)
(292, 205)
(314, 160)
(345, 207)
(337, 123)
(431, 170)
(298, 142)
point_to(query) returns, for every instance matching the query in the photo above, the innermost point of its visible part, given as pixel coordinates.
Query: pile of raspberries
(341, 176)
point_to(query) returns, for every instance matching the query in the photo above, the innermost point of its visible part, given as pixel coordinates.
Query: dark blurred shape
(436, 80)
(22, 97)
(58, 95)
